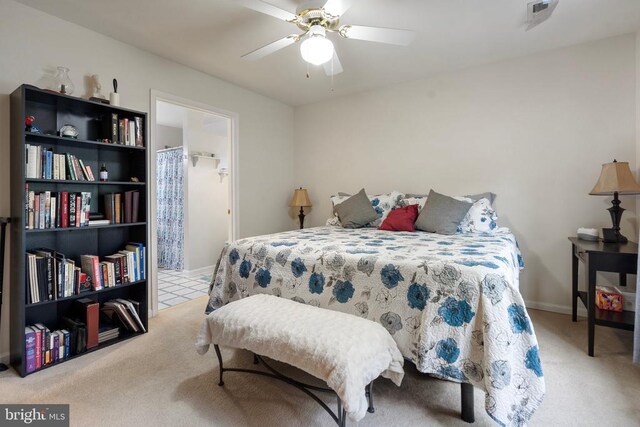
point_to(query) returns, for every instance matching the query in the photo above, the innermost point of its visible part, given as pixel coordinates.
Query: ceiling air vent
(539, 11)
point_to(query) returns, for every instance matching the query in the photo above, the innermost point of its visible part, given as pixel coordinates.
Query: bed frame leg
(369, 393)
(255, 359)
(217, 349)
(466, 412)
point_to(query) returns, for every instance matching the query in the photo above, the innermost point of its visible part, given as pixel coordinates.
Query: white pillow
(408, 201)
(481, 217)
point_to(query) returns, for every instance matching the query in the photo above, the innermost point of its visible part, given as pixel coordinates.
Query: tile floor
(174, 287)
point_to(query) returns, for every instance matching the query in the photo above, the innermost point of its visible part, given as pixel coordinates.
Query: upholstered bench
(345, 351)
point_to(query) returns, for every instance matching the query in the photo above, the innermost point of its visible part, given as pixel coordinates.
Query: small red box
(608, 299)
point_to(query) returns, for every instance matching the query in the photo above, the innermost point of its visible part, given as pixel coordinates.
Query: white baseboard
(555, 308)
(199, 271)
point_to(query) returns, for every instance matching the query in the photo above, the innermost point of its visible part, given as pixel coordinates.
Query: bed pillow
(401, 219)
(442, 214)
(491, 197)
(413, 200)
(381, 203)
(356, 211)
(481, 218)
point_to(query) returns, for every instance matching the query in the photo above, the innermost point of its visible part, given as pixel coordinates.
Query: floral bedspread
(451, 303)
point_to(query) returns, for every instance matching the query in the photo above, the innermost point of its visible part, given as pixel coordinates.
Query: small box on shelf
(608, 299)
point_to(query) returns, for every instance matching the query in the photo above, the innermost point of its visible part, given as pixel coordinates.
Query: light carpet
(159, 379)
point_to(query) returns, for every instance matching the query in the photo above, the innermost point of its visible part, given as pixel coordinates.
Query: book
(90, 265)
(64, 208)
(128, 206)
(30, 349)
(90, 173)
(118, 210)
(132, 133)
(39, 341)
(133, 312)
(88, 311)
(121, 132)
(95, 222)
(140, 252)
(114, 128)
(139, 132)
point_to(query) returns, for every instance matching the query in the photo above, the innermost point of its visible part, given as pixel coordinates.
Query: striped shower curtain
(170, 196)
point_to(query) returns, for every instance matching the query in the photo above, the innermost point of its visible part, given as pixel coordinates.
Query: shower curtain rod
(169, 149)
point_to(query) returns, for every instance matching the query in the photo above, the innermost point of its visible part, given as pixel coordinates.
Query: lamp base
(301, 218)
(611, 235)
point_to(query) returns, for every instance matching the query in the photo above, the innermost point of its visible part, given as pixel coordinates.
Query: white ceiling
(211, 35)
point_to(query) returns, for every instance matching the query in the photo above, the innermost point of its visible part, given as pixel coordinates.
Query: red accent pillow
(401, 219)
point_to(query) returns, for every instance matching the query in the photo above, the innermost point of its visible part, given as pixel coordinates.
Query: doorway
(194, 151)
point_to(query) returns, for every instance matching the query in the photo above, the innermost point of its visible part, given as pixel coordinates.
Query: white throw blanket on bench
(345, 351)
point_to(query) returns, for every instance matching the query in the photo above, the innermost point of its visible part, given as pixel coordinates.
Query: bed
(451, 303)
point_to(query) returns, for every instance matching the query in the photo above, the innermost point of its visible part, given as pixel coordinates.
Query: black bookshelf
(51, 111)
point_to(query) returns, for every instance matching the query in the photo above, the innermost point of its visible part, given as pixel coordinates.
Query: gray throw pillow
(356, 211)
(442, 214)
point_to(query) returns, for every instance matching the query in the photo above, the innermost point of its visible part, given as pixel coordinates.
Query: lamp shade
(300, 198)
(615, 177)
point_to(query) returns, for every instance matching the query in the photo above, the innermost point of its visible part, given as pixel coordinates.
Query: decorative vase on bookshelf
(62, 250)
(64, 84)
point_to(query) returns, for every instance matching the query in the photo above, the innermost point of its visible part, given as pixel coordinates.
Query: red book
(79, 212)
(89, 311)
(64, 220)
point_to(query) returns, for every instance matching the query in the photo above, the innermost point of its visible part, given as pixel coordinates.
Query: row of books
(43, 163)
(126, 312)
(51, 275)
(122, 207)
(44, 347)
(127, 131)
(62, 209)
(86, 326)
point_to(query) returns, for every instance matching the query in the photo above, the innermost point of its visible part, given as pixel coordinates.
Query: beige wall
(32, 42)
(533, 130)
(207, 223)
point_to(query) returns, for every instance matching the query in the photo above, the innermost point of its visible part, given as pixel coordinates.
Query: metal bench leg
(369, 393)
(342, 415)
(217, 349)
(466, 413)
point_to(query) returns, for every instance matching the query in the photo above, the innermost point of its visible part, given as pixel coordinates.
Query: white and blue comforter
(451, 303)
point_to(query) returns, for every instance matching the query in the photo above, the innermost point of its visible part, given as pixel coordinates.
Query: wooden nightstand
(598, 256)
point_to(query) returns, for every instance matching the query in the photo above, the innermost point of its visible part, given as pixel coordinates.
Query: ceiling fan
(317, 19)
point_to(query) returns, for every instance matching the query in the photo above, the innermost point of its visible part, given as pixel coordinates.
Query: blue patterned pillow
(481, 218)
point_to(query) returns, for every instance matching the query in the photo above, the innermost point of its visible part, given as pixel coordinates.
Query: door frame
(233, 171)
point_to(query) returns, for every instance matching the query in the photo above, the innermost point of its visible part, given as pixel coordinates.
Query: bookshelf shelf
(120, 197)
(90, 227)
(121, 338)
(54, 139)
(85, 294)
(72, 182)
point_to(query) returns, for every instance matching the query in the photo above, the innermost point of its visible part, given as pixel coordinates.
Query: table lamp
(300, 200)
(615, 179)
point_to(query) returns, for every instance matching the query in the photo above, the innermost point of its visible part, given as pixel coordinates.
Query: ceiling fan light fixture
(317, 49)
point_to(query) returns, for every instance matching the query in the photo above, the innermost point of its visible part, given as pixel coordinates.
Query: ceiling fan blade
(269, 9)
(377, 34)
(338, 7)
(271, 47)
(333, 67)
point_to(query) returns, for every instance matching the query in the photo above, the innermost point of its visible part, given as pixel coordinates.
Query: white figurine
(98, 87)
